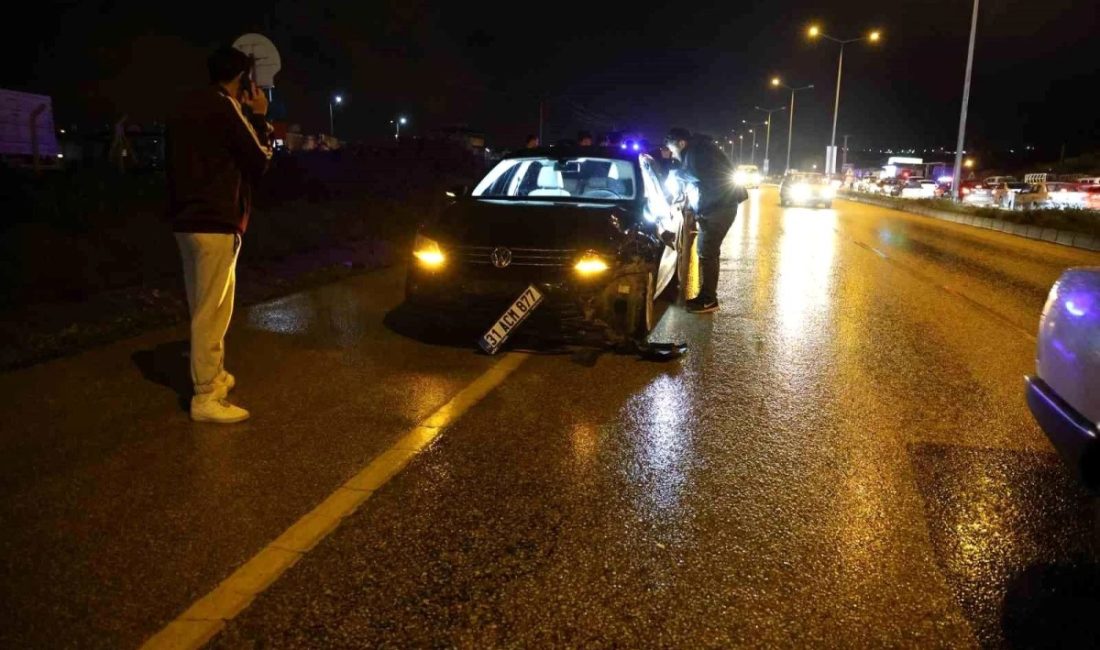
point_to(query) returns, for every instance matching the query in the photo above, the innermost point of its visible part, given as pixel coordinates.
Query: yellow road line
(207, 616)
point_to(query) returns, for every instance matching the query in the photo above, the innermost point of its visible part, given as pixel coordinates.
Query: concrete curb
(1052, 235)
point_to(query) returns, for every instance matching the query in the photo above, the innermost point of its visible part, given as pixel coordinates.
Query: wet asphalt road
(843, 458)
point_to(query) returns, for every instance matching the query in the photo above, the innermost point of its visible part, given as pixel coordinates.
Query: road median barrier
(1039, 225)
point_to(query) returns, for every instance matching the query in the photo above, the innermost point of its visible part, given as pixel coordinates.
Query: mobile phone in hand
(246, 85)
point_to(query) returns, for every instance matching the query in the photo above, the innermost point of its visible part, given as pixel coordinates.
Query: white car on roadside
(919, 188)
(1057, 196)
(1064, 392)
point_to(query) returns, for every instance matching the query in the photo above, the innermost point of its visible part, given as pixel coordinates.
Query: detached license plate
(512, 318)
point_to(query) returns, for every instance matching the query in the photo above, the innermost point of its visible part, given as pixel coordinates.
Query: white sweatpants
(210, 273)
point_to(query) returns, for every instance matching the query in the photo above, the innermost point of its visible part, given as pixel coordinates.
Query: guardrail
(1039, 233)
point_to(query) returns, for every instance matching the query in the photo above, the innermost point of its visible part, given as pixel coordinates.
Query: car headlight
(800, 192)
(428, 253)
(828, 192)
(590, 264)
(740, 178)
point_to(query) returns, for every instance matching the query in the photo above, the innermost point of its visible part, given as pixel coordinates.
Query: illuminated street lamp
(397, 127)
(778, 83)
(969, 163)
(336, 99)
(815, 32)
(768, 138)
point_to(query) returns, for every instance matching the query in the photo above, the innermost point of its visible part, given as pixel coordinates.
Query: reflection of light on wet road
(807, 249)
(583, 438)
(662, 444)
(290, 315)
(332, 315)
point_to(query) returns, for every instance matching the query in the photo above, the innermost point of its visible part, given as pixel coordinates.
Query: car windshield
(806, 178)
(549, 178)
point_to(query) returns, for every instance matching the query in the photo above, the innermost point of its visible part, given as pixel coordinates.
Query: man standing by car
(708, 175)
(215, 157)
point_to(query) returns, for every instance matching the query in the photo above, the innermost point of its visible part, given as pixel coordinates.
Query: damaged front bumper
(601, 311)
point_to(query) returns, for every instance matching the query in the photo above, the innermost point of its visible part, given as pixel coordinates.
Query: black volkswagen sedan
(572, 242)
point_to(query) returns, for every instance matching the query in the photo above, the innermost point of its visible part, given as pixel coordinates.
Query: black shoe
(697, 306)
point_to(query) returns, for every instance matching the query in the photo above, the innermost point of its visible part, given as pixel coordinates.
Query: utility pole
(768, 138)
(844, 158)
(956, 177)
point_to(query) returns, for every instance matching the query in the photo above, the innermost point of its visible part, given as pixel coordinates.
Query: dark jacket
(704, 164)
(215, 156)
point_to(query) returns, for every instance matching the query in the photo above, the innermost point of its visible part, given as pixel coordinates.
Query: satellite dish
(265, 57)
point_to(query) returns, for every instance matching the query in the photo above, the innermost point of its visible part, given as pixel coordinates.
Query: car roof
(615, 153)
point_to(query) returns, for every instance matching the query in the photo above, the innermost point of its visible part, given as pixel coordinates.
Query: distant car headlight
(590, 264)
(428, 253)
(828, 192)
(800, 192)
(740, 178)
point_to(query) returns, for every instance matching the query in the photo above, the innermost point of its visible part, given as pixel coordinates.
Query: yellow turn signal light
(428, 253)
(591, 264)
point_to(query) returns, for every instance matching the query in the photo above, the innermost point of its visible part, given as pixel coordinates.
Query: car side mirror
(458, 191)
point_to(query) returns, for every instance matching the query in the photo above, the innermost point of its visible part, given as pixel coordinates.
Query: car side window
(656, 203)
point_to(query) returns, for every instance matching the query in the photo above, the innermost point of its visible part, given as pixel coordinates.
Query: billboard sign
(17, 109)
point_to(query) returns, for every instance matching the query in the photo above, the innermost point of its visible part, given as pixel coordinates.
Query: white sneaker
(218, 410)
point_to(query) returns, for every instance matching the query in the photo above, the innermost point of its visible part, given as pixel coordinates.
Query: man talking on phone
(217, 150)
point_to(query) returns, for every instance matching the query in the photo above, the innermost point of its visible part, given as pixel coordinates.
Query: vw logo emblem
(500, 257)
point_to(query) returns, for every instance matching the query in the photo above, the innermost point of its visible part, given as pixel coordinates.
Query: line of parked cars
(1007, 192)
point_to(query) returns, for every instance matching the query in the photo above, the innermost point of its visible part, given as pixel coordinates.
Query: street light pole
(831, 162)
(331, 119)
(768, 139)
(874, 36)
(397, 127)
(790, 125)
(956, 177)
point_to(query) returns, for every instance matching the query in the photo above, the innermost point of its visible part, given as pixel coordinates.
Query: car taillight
(966, 190)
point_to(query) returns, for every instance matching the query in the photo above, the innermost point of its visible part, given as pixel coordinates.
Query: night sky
(633, 66)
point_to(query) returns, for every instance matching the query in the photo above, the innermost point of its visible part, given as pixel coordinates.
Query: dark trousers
(712, 230)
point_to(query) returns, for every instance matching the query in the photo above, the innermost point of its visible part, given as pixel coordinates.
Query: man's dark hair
(583, 135)
(676, 133)
(532, 137)
(227, 63)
